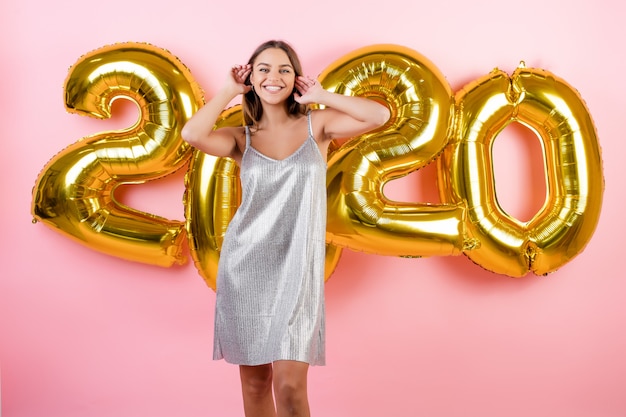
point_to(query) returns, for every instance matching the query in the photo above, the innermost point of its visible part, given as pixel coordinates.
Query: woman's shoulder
(318, 118)
(318, 115)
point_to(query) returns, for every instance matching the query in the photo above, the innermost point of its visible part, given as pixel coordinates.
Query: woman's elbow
(190, 135)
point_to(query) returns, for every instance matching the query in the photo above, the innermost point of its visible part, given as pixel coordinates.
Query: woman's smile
(273, 88)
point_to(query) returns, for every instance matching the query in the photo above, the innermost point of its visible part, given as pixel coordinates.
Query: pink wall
(85, 334)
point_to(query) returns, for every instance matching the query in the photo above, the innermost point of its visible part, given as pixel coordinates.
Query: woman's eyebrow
(268, 65)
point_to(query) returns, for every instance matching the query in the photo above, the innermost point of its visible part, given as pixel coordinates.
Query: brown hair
(252, 108)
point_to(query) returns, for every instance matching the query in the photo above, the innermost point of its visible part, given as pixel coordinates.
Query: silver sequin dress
(270, 282)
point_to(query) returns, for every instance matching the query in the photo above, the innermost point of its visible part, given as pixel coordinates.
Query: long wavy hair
(251, 104)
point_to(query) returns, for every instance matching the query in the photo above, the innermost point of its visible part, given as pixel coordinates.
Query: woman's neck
(274, 116)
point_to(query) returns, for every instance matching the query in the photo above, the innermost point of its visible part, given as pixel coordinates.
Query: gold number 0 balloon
(422, 114)
(75, 191)
(213, 193)
(557, 114)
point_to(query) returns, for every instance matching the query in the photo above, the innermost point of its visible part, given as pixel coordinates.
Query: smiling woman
(270, 316)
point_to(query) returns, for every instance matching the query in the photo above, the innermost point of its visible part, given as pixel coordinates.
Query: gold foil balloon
(213, 194)
(74, 193)
(555, 112)
(360, 217)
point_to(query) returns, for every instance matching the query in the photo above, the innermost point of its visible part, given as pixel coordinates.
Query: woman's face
(273, 76)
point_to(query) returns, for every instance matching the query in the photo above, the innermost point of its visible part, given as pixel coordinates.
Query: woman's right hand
(238, 76)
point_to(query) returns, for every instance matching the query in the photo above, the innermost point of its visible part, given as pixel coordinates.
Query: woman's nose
(274, 75)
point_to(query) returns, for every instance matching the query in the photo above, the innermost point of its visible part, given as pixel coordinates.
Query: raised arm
(198, 131)
(344, 116)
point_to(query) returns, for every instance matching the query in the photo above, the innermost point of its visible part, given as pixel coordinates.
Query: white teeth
(272, 88)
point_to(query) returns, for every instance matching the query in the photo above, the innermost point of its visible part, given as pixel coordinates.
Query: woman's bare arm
(345, 116)
(199, 129)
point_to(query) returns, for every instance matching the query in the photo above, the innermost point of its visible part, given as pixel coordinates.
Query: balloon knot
(470, 244)
(530, 253)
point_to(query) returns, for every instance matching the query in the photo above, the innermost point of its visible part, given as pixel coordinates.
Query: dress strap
(308, 116)
(247, 136)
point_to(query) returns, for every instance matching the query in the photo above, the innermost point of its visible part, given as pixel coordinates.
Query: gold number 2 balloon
(74, 193)
(422, 118)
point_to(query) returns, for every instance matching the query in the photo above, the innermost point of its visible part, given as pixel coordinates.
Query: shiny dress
(270, 282)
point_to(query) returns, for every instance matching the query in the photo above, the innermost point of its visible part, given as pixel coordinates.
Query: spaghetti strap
(247, 136)
(308, 117)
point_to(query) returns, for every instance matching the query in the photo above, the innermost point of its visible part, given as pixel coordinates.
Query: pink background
(85, 334)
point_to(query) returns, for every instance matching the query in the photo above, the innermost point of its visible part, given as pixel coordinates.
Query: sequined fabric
(270, 283)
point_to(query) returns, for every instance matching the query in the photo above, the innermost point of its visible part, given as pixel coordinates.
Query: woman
(269, 315)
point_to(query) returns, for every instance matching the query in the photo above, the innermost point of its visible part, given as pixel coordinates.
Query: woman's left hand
(308, 90)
